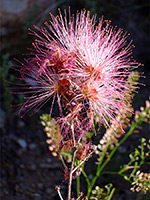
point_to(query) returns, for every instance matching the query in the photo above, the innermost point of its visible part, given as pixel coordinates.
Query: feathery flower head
(82, 63)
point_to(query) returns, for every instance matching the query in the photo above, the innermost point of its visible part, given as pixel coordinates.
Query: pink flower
(83, 63)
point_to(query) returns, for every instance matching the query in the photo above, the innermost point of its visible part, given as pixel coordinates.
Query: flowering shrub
(86, 67)
(105, 150)
(82, 64)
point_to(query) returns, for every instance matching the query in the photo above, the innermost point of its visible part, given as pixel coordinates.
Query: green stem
(86, 177)
(148, 163)
(90, 186)
(101, 167)
(62, 160)
(111, 173)
(78, 186)
(111, 194)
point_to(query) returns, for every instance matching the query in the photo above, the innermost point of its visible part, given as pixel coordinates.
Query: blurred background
(28, 171)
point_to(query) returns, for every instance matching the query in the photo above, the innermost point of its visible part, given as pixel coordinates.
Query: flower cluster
(144, 112)
(113, 133)
(102, 193)
(81, 64)
(141, 182)
(54, 137)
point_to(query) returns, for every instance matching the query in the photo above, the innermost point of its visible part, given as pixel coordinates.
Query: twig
(81, 162)
(72, 162)
(81, 194)
(63, 162)
(57, 188)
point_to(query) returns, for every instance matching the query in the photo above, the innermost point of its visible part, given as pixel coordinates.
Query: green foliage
(107, 147)
(141, 182)
(137, 159)
(52, 130)
(103, 194)
(55, 139)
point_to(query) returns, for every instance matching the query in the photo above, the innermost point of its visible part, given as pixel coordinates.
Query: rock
(17, 188)
(16, 7)
(20, 178)
(51, 193)
(32, 167)
(36, 196)
(21, 166)
(17, 15)
(19, 153)
(40, 186)
(33, 186)
(50, 166)
(32, 146)
(22, 143)
(21, 124)
(49, 160)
